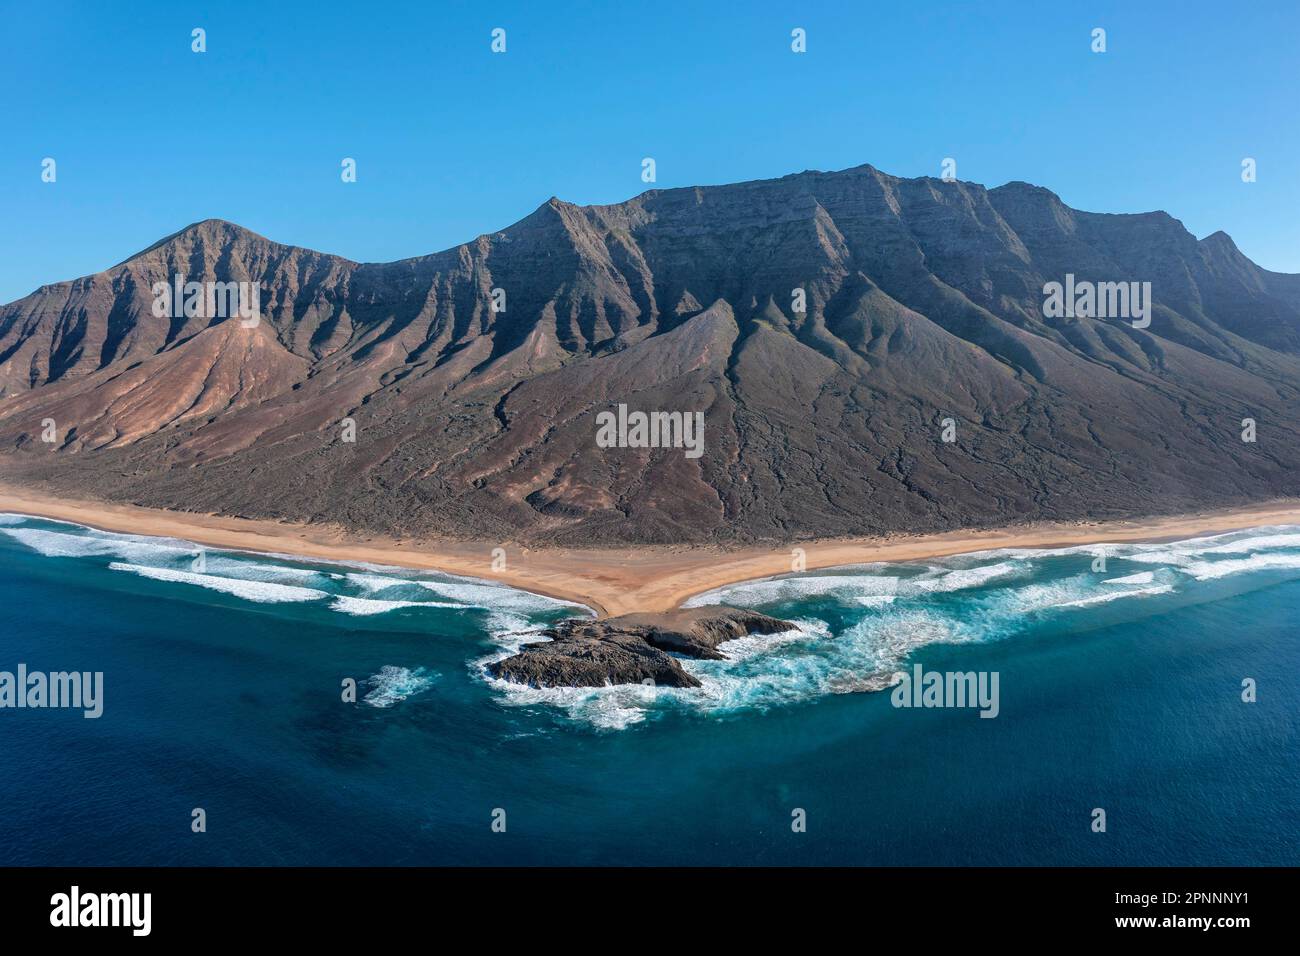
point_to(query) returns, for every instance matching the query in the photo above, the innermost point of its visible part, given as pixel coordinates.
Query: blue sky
(452, 140)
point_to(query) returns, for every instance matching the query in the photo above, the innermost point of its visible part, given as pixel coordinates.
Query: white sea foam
(1255, 543)
(374, 583)
(1209, 570)
(1173, 553)
(258, 571)
(1142, 577)
(1045, 595)
(607, 708)
(54, 544)
(943, 580)
(871, 590)
(862, 657)
(263, 592)
(846, 587)
(743, 648)
(1097, 548)
(1181, 553)
(394, 684)
(476, 593)
(60, 544)
(509, 607)
(1166, 556)
(1108, 596)
(1081, 591)
(360, 606)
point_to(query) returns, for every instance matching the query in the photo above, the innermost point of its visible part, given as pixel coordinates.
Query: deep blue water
(1123, 695)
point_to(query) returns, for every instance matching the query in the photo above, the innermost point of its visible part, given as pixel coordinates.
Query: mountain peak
(220, 231)
(1220, 239)
(1018, 188)
(216, 227)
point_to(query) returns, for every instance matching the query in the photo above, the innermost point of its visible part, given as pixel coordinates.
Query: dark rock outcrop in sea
(631, 649)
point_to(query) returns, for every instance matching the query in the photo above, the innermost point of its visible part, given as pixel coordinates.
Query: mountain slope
(923, 303)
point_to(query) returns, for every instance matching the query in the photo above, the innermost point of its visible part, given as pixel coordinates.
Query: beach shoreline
(612, 581)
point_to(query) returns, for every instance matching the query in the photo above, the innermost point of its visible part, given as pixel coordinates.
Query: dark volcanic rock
(575, 661)
(697, 632)
(632, 648)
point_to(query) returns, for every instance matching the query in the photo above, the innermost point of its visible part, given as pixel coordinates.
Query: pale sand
(619, 580)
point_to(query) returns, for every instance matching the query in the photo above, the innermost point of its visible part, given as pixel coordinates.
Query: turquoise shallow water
(1119, 689)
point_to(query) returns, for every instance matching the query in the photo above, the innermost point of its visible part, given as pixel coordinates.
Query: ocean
(1119, 690)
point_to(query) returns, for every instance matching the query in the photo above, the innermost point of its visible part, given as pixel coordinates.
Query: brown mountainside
(924, 301)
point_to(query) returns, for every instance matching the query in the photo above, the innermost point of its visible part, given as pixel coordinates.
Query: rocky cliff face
(923, 302)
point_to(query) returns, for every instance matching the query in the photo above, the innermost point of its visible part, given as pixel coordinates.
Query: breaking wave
(262, 592)
(845, 584)
(363, 607)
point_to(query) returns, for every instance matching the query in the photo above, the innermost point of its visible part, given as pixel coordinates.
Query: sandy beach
(616, 581)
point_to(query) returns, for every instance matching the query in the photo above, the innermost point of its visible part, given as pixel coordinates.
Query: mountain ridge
(923, 304)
